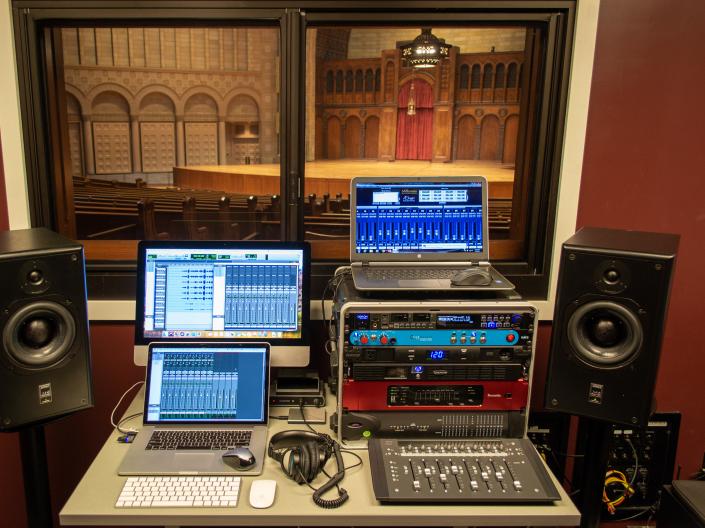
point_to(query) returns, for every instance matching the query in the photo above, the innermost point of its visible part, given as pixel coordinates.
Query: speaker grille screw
(554, 401)
(6, 421)
(74, 258)
(634, 420)
(571, 256)
(658, 267)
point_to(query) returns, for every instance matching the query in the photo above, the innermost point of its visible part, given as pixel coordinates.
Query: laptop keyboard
(205, 439)
(171, 492)
(410, 273)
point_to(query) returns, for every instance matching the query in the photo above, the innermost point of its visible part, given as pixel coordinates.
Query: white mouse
(262, 493)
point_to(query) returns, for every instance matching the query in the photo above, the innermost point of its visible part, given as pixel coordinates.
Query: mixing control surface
(502, 470)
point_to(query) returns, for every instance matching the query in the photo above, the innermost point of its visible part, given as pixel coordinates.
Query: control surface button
(363, 340)
(384, 339)
(510, 338)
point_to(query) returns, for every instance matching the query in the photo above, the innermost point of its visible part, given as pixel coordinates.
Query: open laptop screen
(196, 384)
(419, 217)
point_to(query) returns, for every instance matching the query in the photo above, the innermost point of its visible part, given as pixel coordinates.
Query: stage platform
(334, 176)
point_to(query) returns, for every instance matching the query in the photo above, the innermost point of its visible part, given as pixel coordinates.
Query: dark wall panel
(642, 170)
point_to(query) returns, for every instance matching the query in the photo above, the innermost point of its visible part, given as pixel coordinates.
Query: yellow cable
(614, 476)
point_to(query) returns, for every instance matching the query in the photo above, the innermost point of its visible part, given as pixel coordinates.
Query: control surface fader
(487, 471)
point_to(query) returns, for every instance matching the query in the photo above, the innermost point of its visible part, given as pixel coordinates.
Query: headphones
(308, 453)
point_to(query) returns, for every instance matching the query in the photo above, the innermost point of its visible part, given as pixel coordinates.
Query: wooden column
(180, 154)
(478, 133)
(136, 148)
(88, 145)
(222, 146)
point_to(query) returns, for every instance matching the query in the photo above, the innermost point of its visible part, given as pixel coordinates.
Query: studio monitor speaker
(611, 303)
(45, 366)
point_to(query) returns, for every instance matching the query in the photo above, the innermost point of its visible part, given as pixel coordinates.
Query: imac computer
(224, 291)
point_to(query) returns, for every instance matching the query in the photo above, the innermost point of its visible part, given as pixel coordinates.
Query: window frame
(30, 16)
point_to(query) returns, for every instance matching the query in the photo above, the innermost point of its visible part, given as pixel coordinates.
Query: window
(464, 73)
(359, 136)
(167, 124)
(476, 74)
(271, 149)
(369, 81)
(487, 76)
(499, 76)
(512, 75)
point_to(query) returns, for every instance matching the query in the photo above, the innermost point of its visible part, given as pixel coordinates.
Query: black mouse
(239, 458)
(471, 277)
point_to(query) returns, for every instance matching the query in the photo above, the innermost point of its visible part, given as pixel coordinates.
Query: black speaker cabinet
(611, 303)
(45, 362)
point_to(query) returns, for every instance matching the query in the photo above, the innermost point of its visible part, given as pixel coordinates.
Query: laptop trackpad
(194, 461)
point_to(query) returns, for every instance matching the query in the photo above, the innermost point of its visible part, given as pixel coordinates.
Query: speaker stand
(36, 477)
(597, 445)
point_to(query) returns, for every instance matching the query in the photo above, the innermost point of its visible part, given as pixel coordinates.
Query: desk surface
(93, 501)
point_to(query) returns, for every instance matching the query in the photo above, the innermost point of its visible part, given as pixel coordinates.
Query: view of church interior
(175, 132)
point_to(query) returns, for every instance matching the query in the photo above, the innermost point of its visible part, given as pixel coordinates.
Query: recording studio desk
(92, 502)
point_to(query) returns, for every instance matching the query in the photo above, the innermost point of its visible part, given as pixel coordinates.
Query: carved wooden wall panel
(201, 143)
(466, 138)
(158, 147)
(511, 129)
(333, 138)
(242, 150)
(388, 134)
(353, 135)
(111, 141)
(489, 138)
(371, 138)
(442, 133)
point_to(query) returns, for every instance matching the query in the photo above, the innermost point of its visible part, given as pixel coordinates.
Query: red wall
(643, 157)
(643, 169)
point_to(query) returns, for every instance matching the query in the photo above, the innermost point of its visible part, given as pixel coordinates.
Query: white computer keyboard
(170, 492)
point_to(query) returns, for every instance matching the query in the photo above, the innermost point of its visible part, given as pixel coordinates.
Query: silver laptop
(421, 233)
(201, 399)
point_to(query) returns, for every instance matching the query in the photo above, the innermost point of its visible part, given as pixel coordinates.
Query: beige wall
(369, 42)
(143, 100)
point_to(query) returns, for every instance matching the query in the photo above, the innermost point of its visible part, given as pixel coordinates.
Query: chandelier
(425, 51)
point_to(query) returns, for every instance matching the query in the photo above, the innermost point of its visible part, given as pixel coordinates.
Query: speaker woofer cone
(39, 335)
(605, 334)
